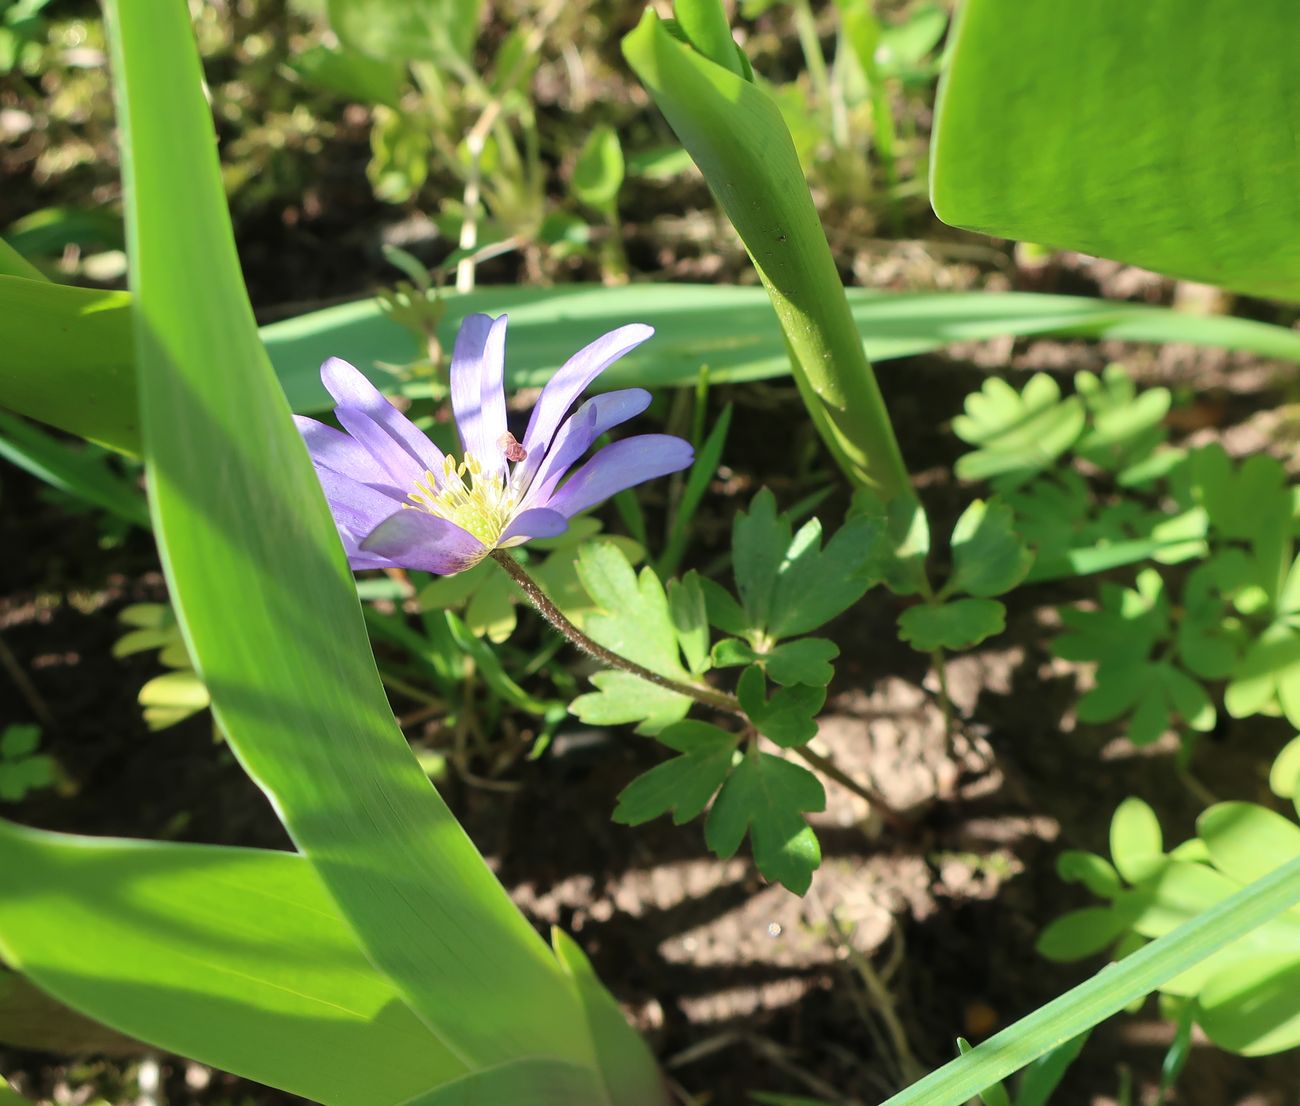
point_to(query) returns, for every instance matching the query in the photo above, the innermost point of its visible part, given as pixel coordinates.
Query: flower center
(462, 494)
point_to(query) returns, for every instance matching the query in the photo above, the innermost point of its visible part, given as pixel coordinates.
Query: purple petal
(537, 523)
(332, 449)
(572, 379)
(356, 506)
(351, 389)
(584, 426)
(399, 467)
(478, 393)
(621, 465)
(425, 542)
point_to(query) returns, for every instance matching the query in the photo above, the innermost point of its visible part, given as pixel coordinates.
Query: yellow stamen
(482, 505)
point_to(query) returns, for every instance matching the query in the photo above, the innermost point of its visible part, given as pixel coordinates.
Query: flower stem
(718, 700)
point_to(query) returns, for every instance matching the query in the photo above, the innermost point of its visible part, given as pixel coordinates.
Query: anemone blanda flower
(398, 501)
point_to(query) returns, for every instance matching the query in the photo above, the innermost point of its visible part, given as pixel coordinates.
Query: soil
(905, 941)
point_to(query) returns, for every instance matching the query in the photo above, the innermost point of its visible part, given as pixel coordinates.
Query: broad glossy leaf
(1102, 127)
(234, 957)
(269, 609)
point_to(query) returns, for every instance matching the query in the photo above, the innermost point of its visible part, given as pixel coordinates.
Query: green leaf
(1284, 776)
(350, 73)
(813, 585)
(1247, 841)
(1093, 871)
(634, 621)
(82, 472)
(236, 958)
(273, 622)
(17, 741)
(685, 784)
(789, 717)
(1125, 425)
(394, 31)
(993, 1095)
(1124, 181)
(1081, 933)
(724, 612)
(759, 541)
(1106, 993)
(703, 469)
(531, 1079)
(806, 661)
(1253, 1007)
(988, 557)
(704, 23)
(1043, 1076)
(899, 562)
(957, 624)
(598, 174)
(735, 133)
(768, 797)
(1018, 434)
(70, 361)
(1136, 843)
(691, 621)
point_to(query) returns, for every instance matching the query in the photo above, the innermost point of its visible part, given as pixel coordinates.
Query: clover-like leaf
(685, 784)
(957, 624)
(1081, 933)
(1095, 872)
(768, 797)
(805, 661)
(1124, 629)
(1267, 678)
(988, 556)
(789, 717)
(1017, 434)
(1126, 425)
(1284, 776)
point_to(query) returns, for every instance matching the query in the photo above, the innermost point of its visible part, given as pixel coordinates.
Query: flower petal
(425, 542)
(336, 451)
(359, 506)
(584, 426)
(478, 392)
(350, 388)
(571, 380)
(621, 465)
(399, 467)
(537, 523)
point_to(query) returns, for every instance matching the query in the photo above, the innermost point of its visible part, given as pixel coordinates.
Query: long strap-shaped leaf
(235, 957)
(1108, 992)
(266, 603)
(68, 356)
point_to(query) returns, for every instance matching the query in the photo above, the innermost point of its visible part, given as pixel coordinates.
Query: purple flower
(398, 501)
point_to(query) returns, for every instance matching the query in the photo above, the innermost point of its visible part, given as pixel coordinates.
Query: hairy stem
(718, 700)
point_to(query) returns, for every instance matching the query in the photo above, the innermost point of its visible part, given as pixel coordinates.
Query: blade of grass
(1106, 993)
